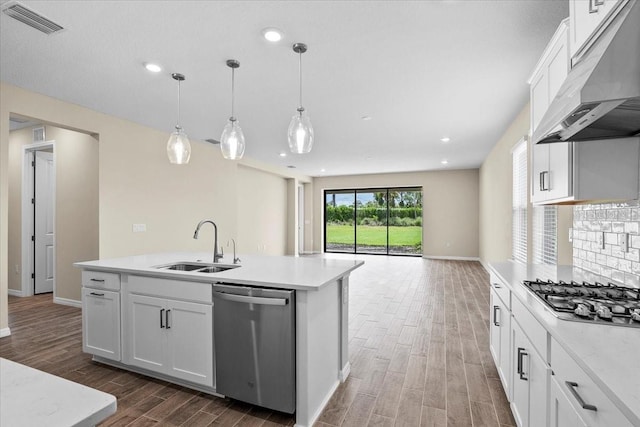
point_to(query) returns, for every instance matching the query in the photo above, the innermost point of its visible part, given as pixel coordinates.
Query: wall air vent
(31, 18)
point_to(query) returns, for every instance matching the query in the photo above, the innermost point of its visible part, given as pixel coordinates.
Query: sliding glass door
(374, 221)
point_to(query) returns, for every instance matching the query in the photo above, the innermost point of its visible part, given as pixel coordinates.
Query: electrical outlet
(601, 239)
(570, 234)
(139, 228)
(17, 268)
(623, 241)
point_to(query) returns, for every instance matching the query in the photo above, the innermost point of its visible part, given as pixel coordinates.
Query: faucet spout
(216, 255)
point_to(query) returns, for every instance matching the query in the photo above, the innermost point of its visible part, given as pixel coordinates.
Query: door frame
(27, 215)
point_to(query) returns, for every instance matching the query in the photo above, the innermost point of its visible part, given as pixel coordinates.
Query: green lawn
(375, 235)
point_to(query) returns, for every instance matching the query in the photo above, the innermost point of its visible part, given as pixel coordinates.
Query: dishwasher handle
(250, 300)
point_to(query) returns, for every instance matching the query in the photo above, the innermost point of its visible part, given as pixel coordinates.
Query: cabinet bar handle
(161, 318)
(96, 294)
(495, 285)
(166, 318)
(496, 309)
(543, 181)
(97, 280)
(521, 354)
(593, 6)
(572, 388)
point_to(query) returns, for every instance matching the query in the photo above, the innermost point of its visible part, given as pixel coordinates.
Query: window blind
(519, 211)
(545, 246)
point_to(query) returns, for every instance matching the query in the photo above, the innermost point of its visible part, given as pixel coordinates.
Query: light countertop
(608, 354)
(288, 272)
(29, 397)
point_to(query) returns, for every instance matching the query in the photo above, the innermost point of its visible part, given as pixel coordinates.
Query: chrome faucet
(235, 260)
(216, 255)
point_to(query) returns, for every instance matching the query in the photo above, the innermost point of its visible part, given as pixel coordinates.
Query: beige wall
(263, 202)
(450, 207)
(76, 205)
(137, 185)
(496, 199)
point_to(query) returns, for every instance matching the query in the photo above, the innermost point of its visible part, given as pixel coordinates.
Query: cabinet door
(560, 170)
(499, 344)
(586, 16)
(561, 412)
(190, 341)
(539, 172)
(530, 378)
(101, 323)
(539, 98)
(146, 329)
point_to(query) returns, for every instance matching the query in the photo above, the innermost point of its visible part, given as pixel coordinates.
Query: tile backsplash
(608, 258)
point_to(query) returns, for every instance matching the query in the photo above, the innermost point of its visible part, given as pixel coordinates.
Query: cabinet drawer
(168, 288)
(536, 333)
(502, 290)
(565, 369)
(101, 280)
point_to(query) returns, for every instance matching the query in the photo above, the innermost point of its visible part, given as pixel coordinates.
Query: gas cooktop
(589, 302)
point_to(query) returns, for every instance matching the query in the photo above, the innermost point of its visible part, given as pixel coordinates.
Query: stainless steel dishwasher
(254, 336)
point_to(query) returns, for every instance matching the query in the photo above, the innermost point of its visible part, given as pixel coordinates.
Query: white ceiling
(421, 69)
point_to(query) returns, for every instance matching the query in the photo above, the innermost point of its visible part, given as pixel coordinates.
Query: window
(545, 248)
(519, 210)
(373, 221)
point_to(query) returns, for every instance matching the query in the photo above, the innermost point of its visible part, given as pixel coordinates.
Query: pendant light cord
(233, 97)
(301, 108)
(178, 122)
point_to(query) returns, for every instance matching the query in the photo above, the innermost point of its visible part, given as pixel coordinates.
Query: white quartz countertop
(610, 355)
(287, 272)
(32, 398)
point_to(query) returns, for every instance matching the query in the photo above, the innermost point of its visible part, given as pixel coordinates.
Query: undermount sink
(197, 267)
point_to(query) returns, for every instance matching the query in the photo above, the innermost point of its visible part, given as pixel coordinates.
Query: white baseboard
(5, 332)
(452, 258)
(66, 301)
(15, 292)
(344, 372)
(485, 265)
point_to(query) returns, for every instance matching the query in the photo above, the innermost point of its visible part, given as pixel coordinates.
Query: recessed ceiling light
(445, 139)
(323, 170)
(291, 166)
(445, 162)
(283, 154)
(272, 34)
(154, 68)
(366, 118)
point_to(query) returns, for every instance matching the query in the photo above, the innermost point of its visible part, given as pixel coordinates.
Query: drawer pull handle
(98, 280)
(166, 319)
(96, 294)
(496, 309)
(161, 318)
(495, 285)
(521, 354)
(572, 388)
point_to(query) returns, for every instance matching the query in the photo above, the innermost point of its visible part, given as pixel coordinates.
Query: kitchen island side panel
(318, 343)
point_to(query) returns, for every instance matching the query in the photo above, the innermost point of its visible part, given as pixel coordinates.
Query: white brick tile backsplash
(612, 219)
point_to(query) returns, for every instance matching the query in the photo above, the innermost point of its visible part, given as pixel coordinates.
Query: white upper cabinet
(549, 74)
(588, 18)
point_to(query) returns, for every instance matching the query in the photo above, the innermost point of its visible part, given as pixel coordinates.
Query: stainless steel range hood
(600, 97)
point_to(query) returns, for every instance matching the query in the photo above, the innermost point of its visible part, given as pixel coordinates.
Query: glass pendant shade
(178, 147)
(300, 134)
(232, 141)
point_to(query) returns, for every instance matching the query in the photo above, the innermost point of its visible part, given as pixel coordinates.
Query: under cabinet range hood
(600, 97)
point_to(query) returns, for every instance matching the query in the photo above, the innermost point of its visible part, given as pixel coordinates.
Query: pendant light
(232, 139)
(178, 146)
(300, 132)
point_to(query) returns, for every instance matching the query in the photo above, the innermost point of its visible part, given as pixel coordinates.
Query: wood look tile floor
(419, 352)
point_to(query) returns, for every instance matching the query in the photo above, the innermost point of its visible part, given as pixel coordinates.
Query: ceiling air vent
(31, 18)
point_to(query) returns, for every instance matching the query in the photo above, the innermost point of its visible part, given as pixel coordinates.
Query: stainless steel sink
(197, 267)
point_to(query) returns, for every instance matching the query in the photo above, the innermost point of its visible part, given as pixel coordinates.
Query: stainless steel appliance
(254, 340)
(589, 302)
(600, 97)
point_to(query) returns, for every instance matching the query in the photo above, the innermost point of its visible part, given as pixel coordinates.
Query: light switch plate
(570, 234)
(139, 228)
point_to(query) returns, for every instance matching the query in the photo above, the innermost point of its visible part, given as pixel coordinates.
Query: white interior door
(44, 197)
(300, 219)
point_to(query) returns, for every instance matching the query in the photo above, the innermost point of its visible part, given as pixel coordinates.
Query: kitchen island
(141, 315)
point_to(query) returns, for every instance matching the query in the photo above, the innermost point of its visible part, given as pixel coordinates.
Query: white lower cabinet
(500, 339)
(561, 413)
(101, 323)
(170, 336)
(530, 376)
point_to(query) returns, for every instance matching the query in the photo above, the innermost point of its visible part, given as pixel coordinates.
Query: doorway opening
(385, 221)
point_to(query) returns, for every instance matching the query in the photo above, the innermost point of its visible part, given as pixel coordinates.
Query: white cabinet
(101, 323)
(549, 74)
(570, 172)
(500, 335)
(101, 333)
(529, 384)
(588, 19)
(170, 336)
(577, 400)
